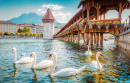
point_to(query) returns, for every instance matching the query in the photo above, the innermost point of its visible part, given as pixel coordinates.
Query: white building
(39, 28)
(6, 26)
(48, 24)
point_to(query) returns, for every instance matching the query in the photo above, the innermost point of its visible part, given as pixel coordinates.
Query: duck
(42, 64)
(63, 72)
(88, 53)
(23, 60)
(96, 64)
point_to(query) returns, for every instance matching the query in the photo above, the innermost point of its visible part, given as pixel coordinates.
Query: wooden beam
(97, 38)
(91, 38)
(101, 39)
(104, 16)
(87, 14)
(120, 10)
(87, 35)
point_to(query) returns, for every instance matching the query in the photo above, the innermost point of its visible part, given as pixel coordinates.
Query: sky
(63, 10)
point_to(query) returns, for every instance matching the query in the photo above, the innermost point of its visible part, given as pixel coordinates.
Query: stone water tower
(48, 25)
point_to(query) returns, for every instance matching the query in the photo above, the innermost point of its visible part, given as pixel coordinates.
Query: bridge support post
(78, 36)
(101, 39)
(91, 38)
(94, 38)
(97, 39)
(87, 35)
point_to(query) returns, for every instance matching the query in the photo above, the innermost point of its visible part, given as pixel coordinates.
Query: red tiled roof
(6, 22)
(48, 15)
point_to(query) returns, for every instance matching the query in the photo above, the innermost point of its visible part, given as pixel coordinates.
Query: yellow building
(6, 26)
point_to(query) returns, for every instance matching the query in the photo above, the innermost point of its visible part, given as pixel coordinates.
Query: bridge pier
(91, 38)
(101, 39)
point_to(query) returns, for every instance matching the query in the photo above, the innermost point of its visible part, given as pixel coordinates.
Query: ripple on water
(69, 55)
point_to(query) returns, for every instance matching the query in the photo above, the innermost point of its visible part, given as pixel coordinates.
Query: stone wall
(124, 42)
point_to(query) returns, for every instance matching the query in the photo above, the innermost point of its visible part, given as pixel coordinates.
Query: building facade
(48, 24)
(39, 28)
(6, 26)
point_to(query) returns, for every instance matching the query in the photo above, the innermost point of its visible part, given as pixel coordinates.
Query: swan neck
(34, 62)
(97, 61)
(54, 65)
(15, 56)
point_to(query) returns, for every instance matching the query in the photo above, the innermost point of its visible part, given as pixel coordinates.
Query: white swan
(96, 64)
(88, 52)
(42, 64)
(64, 72)
(22, 60)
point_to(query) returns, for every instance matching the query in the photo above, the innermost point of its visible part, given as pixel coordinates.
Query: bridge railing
(125, 26)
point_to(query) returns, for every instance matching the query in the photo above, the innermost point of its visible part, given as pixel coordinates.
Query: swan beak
(50, 56)
(31, 55)
(101, 56)
(13, 50)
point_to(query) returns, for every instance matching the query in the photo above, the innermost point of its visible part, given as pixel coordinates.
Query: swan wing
(68, 72)
(24, 60)
(93, 64)
(65, 72)
(90, 53)
(44, 64)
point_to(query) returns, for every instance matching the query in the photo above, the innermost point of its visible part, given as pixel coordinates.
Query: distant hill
(31, 18)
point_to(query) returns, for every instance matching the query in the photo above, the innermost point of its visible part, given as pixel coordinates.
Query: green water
(69, 55)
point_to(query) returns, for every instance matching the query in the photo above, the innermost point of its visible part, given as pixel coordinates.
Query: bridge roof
(106, 2)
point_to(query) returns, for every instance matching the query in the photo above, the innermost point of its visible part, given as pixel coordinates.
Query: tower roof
(48, 15)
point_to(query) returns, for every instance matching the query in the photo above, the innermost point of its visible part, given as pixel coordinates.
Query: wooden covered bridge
(90, 23)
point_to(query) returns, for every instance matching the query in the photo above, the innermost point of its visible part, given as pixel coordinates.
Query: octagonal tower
(48, 25)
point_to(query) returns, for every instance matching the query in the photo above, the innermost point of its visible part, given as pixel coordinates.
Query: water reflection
(35, 75)
(15, 70)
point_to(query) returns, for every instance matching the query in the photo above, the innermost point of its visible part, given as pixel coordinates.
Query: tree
(6, 33)
(35, 34)
(27, 34)
(1, 33)
(26, 29)
(41, 35)
(12, 34)
(22, 34)
(20, 30)
(38, 34)
(18, 34)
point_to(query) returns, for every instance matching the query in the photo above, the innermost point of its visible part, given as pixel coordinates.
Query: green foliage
(12, 34)
(117, 22)
(110, 22)
(1, 33)
(20, 30)
(18, 34)
(22, 34)
(34, 34)
(93, 23)
(38, 34)
(89, 23)
(106, 23)
(26, 29)
(97, 23)
(27, 34)
(41, 35)
(6, 33)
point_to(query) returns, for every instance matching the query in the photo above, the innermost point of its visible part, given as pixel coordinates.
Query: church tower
(48, 25)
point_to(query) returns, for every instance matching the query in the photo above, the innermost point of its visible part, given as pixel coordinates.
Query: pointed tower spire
(48, 17)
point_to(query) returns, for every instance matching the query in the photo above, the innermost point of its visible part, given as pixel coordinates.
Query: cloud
(61, 16)
(43, 12)
(51, 6)
(39, 9)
